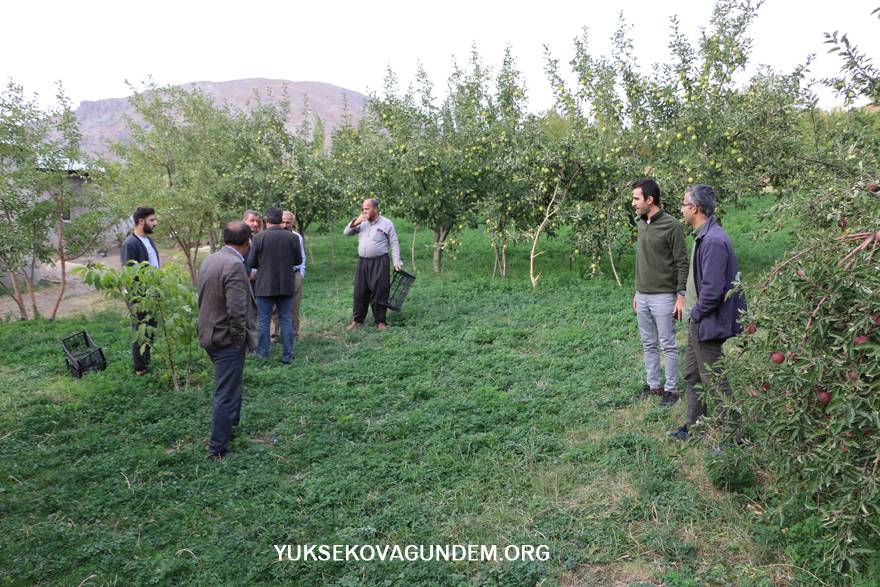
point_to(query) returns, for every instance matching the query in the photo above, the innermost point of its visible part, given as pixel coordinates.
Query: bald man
(372, 283)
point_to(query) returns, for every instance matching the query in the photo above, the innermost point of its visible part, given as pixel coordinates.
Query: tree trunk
(439, 237)
(19, 301)
(413, 248)
(535, 253)
(29, 282)
(187, 253)
(504, 258)
(59, 226)
(29, 277)
(169, 351)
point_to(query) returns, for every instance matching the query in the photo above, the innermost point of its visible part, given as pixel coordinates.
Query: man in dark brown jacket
(227, 329)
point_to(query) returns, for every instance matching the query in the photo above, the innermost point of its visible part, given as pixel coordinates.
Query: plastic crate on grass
(82, 354)
(399, 288)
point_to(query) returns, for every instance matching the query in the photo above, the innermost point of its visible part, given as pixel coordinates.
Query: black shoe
(669, 399)
(680, 434)
(644, 394)
(722, 448)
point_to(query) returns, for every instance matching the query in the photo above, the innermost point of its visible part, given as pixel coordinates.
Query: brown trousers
(294, 308)
(698, 372)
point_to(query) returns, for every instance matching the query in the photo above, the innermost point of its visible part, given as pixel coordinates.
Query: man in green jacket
(661, 282)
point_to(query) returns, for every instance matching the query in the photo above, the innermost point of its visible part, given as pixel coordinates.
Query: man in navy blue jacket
(137, 248)
(713, 316)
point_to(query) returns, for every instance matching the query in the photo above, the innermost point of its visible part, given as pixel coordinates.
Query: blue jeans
(264, 320)
(657, 331)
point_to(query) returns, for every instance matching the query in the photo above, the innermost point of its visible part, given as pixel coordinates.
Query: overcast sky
(94, 46)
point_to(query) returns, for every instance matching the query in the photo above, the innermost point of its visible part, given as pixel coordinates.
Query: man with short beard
(139, 248)
(661, 277)
(255, 222)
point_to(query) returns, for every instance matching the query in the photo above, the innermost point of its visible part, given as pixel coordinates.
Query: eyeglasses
(683, 206)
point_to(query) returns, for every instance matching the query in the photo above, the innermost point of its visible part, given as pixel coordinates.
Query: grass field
(488, 413)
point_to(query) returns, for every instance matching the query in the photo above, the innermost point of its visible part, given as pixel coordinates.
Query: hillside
(103, 121)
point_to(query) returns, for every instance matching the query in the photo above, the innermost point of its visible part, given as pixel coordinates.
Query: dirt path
(79, 298)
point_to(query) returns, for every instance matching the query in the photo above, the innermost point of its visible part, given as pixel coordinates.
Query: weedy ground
(488, 413)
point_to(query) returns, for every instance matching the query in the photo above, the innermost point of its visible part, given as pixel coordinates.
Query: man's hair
(703, 197)
(273, 215)
(649, 188)
(373, 202)
(251, 213)
(141, 213)
(236, 233)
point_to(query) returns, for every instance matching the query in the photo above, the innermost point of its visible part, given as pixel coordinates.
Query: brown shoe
(215, 457)
(353, 326)
(381, 326)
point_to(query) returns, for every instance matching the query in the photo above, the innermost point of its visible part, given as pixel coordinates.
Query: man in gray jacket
(227, 329)
(371, 277)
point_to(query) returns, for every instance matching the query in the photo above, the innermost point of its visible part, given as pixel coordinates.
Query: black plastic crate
(82, 354)
(399, 288)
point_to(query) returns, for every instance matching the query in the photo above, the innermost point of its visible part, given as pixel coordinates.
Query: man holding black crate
(371, 276)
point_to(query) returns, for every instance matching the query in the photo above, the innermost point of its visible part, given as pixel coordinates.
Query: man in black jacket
(139, 248)
(274, 253)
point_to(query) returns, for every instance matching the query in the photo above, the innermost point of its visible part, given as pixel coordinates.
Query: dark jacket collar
(705, 228)
(655, 217)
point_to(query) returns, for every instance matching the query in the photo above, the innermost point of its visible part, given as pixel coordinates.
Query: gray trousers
(228, 371)
(657, 331)
(698, 361)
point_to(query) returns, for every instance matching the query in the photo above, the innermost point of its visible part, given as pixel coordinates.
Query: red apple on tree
(873, 188)
(824, 397)
(860, 340)
(777, 357)
(751, 328)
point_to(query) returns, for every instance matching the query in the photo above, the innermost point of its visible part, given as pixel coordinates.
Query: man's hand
(357, 221)
(253, 275)
(635, 307)
(398, 266)
(679, 307)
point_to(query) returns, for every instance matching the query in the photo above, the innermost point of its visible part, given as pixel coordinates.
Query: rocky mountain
(103, 121)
